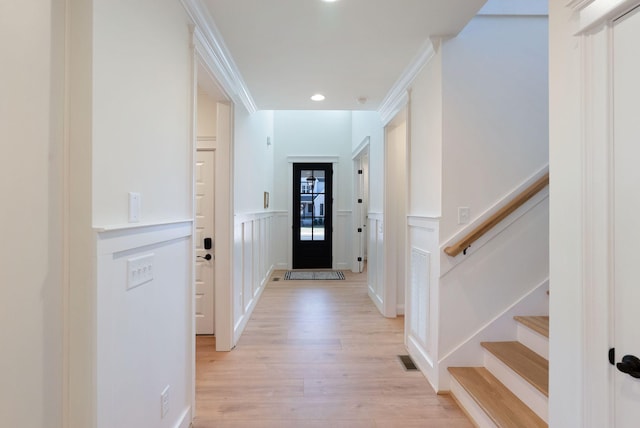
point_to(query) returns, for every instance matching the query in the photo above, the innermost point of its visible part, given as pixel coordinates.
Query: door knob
(206, 257)
(630, 365)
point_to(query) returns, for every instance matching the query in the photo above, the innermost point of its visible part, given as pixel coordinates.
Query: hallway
(316, 354)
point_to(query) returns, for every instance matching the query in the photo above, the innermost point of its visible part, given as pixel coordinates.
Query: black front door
(312, 219)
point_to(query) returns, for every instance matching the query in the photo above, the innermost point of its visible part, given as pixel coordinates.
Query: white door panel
(205, 269)
(626, 75)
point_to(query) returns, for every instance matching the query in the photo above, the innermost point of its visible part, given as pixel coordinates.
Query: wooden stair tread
(501, 405)
(522, 360)
(535, 323)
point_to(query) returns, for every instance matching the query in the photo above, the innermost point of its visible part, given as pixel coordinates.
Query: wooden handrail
(496, 218)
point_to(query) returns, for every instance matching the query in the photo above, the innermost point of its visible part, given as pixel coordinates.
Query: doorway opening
(361, 206)
(312, 215)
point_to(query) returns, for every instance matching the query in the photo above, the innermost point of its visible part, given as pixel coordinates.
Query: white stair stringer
(527, 393)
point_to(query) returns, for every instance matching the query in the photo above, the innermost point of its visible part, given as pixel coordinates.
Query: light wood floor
(316, 354)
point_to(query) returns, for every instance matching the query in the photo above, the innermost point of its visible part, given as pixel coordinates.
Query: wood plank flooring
(317, 354)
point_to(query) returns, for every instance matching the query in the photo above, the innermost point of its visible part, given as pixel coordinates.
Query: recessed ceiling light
(317, 97)
(329, 1)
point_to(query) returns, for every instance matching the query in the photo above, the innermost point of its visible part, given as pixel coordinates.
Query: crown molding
(398, 96)
(209, 43)
(579, 4)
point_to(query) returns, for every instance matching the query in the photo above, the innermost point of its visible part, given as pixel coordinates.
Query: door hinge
(360, 172)
(359, 259)
(359, 201)
(359, 230)
(612, 356)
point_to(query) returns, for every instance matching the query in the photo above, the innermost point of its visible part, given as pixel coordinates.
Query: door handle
(206, 257)
(630, 365)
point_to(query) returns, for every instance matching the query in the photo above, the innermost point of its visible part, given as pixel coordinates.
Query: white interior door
(205, 269)
(626, 69)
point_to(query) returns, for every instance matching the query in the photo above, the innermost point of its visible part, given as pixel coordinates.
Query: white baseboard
(185, 419)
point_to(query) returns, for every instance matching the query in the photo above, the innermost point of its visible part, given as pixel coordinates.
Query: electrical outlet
(464, 215)
(164, 402)
(139, 270)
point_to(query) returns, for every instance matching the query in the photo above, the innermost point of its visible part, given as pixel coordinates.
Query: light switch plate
(134, 207)
(464, 215)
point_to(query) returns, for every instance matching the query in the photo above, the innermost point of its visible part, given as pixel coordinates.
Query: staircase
(511, 390)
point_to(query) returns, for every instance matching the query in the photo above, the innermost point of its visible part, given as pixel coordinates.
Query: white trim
(361, 148)
(313, 159)
(116, 240)
(185, 420)
(210, 45)
(398, 97)
(423, 222)
(360, 191)
(128, 226)
(596, 13)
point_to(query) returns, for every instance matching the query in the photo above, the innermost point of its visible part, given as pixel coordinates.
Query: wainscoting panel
(421, 318)
(342, 233)
(375, 259)
(419, 294)
(137, 321)
(253, 263)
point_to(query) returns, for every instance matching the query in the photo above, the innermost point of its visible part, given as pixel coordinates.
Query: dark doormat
(304, 275)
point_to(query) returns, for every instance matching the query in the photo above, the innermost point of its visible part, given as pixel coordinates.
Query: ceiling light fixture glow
(317, 97)
(329, 1)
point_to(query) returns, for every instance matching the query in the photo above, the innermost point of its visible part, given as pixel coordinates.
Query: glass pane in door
(312, 205)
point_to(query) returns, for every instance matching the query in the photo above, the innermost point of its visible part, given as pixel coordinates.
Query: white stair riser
(472, 409)
(534, 341)
(529, 395)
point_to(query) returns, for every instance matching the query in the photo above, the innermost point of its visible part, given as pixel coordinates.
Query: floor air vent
(407, 362)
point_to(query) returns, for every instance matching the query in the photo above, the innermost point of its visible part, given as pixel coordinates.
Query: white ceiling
(287, 50)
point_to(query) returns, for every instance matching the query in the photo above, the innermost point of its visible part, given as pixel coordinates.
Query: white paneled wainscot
(421, 312)
(143, 325)
(375, 259)
(253, 264)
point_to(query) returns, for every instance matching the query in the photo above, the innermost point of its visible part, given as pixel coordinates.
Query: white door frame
(594, 23)
(223, 204)
(361, 152)
(393, 183)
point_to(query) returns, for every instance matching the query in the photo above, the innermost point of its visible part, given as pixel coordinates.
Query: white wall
(424, 206)
(478, 136)
(130, 121)
(495, 122)
(254, 248)
(425, 160)
(141, 119)
(254, 160)
(207, 112)
(311, 134)
(368, 124)
(31, 276)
